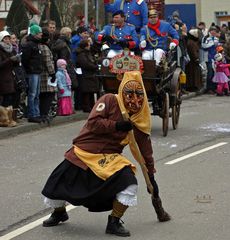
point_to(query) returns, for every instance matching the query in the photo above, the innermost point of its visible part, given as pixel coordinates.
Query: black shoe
(226, 92)
(114, 226)
(55, 218)
(35, 119)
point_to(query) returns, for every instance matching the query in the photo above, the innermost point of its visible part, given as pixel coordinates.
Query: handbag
(73, 76)
(20, 78)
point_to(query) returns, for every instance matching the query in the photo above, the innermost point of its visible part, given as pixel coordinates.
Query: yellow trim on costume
(103, 165)
(142, 119)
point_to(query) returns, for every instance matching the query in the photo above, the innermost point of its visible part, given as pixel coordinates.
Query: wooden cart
(162, 84)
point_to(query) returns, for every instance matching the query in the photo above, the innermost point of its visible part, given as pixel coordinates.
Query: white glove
(104, 47)
(143, 44)
(172, 45)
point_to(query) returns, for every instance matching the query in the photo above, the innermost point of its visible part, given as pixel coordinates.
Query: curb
(193, 94)
(24, 126)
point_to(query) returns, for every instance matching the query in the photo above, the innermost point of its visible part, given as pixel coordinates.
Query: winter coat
(32, 56)
(88, 80)
(61, 50)
(222, 67)
(48, 68)
(75, 40)
(209, 44)
(7, 77)
(227, 50)
(193, 71)
(62, 84)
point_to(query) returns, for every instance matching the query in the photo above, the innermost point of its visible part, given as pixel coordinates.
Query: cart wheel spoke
(176, 107)
(165, 117)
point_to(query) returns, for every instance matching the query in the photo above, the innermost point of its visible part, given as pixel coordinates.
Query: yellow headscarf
(142, 119)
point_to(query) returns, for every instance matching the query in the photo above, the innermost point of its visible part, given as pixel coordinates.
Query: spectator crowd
(46, 67)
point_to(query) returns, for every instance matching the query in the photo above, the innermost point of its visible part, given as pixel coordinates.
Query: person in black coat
(89, 83)
(8, 60)
(32, 63)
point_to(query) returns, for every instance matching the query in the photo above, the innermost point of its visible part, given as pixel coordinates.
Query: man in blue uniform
(136, 11)
(119, 35)
(154, 37)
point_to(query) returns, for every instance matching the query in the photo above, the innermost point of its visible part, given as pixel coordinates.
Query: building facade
(195, 11)
(31, 7)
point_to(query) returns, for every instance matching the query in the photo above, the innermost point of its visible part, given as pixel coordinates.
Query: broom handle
(139, 158)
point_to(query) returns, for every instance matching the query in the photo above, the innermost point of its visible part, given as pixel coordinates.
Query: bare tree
(70, 10)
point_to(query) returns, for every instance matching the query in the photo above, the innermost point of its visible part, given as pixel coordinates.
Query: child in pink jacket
(221, 76)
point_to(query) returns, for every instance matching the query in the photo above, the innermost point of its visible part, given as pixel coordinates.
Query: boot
(12, 123)
(226, 92)
(161, 214)
(114, 226)
(56, 217)
(14, 114)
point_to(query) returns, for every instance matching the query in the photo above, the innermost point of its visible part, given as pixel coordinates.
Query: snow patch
(217, 127)
(173, 146)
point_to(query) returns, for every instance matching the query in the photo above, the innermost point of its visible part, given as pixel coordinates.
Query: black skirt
(83, 188)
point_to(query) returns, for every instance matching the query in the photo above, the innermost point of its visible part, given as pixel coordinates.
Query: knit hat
(81, 30)
(218, 57)
(194, 32)
(3, 34)
(35, 29)
(61, 62)
(176, 14)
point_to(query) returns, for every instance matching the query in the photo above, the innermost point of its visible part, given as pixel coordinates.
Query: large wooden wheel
(176, 107)
(165, 114)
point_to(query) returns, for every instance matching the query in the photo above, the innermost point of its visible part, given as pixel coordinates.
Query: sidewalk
(24, 126)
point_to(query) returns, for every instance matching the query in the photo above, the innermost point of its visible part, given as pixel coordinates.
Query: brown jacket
(88, 80)
(99, 134)
(193, 71)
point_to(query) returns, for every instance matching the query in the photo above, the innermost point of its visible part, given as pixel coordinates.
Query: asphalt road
(194, 188)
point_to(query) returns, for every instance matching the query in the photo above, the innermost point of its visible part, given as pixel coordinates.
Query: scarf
(15, 48)
(155, 27)
(142, 119)
(67, 77)
(6, 47)
(68, 80)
